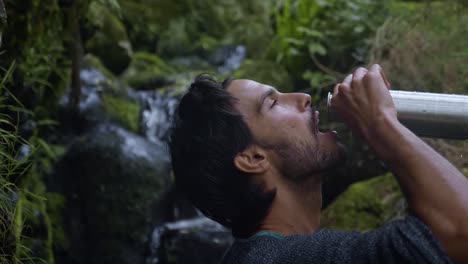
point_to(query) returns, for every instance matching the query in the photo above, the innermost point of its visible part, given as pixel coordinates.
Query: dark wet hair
(207, 134)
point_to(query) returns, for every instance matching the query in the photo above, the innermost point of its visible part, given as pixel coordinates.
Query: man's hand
(435, 190)
(363, 100)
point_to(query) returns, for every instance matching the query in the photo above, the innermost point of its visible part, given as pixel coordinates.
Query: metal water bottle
(428, 114)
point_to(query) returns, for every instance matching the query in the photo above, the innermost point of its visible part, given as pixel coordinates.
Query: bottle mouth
(329, 98)
(330, 113)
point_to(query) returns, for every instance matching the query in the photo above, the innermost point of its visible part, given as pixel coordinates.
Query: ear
(252, 160)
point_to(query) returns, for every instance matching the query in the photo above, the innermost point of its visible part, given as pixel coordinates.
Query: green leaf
(294, 41)
(316, 48)
(47, 122)
(310, 32)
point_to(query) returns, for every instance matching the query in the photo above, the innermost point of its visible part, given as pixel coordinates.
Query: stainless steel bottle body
(428, 114)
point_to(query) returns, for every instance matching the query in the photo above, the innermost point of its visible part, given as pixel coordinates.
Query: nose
(303, 101)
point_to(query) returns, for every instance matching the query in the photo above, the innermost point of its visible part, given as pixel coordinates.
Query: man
(251, 158)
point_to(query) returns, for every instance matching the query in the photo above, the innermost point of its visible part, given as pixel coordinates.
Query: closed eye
(274, 103)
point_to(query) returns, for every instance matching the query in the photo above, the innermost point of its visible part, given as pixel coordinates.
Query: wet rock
(194, 241)
(112, 179)
(102, 100)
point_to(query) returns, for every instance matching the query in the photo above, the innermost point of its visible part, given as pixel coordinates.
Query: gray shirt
(401, 241)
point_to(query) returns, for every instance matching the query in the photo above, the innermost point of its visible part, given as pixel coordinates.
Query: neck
(295, 209)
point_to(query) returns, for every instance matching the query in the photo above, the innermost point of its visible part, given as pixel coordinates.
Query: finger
(359, 73)
(348, 79)
(335, 93)
(387, 82)
(378, 70)
(336, 90)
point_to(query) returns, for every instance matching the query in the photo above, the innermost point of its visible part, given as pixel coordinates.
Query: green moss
(110, 41)
(365, 205)
(123, 111)
(91, 61)
(146, 67)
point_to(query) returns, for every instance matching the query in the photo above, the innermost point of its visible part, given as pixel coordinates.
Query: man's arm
(436, 191)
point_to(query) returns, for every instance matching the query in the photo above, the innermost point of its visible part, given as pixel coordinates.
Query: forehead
(249, 94)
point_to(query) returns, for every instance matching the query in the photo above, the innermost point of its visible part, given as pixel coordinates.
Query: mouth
(316, 127)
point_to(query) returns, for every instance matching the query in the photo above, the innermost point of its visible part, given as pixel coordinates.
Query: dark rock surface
(112, 179)
(195, 241)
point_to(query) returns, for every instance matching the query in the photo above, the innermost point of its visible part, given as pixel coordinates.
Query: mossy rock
(365, 205)
(194, 243)
(145, 20)
(122, 110)
(110, 40)
(147, 71)
(91, 61)
(112, 180)
(266, 72)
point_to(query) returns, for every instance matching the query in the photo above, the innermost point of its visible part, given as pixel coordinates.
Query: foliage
(35, 40)
(316, 40)
(175, 28)
(11, 166)
(428, 51)
(22, 163)
(267, 72)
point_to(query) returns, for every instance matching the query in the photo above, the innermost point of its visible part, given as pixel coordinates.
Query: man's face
(286, 125)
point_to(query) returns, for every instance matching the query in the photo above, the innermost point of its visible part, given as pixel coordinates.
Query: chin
(334, 153)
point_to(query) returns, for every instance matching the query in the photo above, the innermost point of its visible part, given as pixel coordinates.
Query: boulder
(123, 110)
(112, 179)
(196, 241)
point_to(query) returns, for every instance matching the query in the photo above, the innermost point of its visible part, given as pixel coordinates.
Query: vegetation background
(295, 45)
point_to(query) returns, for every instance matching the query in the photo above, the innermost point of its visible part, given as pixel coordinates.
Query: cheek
(287, 122)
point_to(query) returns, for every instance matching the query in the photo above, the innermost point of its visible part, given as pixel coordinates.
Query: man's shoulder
(409, 240)
(268, 249)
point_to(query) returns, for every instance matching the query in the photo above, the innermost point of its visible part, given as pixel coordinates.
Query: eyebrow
(262, 98)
